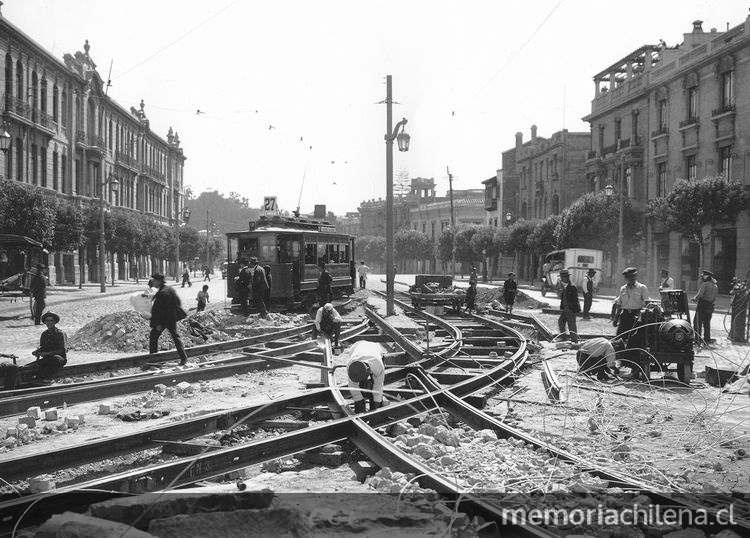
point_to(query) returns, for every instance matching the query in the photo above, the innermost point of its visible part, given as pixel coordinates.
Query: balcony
(126, 160)
(722, 111)
(688, 122)
(661, 131)
(591, 155)
(609, 150)
(490, 204)
(153, 173)
(91, 141)
(33, 116)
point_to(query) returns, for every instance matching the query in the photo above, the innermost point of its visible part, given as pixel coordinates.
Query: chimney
(320, 211)
(697, 27)
(519, 140)
(533, 134)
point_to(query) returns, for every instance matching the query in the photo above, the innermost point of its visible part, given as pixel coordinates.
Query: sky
(291, 92)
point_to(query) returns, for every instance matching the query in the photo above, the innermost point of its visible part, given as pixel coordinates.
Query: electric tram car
(292, 247)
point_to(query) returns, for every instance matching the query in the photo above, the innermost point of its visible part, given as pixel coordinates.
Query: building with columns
(372, 212)
(69, 138)
(663, 113)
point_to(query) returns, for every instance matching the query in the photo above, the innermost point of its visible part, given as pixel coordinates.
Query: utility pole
(208, 251)
(453, 225)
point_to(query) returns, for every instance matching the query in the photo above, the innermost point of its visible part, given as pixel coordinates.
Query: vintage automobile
(577, 261)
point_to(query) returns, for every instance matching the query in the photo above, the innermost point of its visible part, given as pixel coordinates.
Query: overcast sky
(290, 90)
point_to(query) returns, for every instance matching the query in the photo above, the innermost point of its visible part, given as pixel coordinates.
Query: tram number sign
(269, 203)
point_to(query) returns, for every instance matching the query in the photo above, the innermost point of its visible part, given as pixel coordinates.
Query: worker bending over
(328, 324)
(596, 357)
(366, 372)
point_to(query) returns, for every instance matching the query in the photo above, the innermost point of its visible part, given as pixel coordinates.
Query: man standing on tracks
(632, 298)
(244, 282)
(51, 355)
(363, 270)
(325, 294)
(38, 288)
(166, 311)
(705, 298)
(328, 324)
(588, 293)
(510, 289)
(260, 287)
(366, 371)
(569, 306)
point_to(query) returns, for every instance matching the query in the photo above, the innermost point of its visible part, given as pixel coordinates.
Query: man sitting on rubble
(596, 357)
(51, 355)
(328, 324)
(366, 372)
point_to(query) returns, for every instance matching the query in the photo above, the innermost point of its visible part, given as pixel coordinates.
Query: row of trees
(62, 225)
(589, 222)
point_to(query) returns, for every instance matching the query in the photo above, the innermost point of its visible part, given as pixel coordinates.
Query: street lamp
(5, 140)
(185, 217)
(111, 182)
(508, 218)
(609, 190)
(402, 139)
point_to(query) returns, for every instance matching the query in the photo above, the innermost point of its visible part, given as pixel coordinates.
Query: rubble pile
(128, 332)
(36, 423)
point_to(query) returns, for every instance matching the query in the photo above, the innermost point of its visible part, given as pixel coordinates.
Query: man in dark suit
(166, 311)
(569, 306)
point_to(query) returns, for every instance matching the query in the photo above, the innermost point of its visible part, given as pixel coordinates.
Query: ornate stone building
(70, 138)
(372, 212)
(664, 113)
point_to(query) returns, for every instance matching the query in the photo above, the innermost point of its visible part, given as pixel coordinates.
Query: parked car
(577, 261)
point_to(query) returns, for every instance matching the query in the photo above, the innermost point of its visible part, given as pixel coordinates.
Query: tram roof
(17, 240)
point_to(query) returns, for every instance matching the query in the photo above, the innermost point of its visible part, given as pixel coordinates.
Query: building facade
(373, 212)
(665, 113)
(71, 139)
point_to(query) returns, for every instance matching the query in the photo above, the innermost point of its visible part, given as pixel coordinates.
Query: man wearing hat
(38, 289)
(588, 292)
(704, 310)
(166, 311)
(366, 371)
(569, 306)
(51, 355)
(259, 287)
(667, 282)
(325, 294)
(630, 301)
(243, 285)
(510, 289)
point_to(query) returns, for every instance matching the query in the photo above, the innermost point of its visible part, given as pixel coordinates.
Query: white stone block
(34, 412)
(40, 485)
(170, 392)
(50, 414)
(11, 432)
(105, 408)
(72, 422)
(160, 388)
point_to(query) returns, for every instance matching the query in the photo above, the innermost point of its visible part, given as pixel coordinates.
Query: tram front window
(248, 248)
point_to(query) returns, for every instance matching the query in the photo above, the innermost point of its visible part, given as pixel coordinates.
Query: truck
(577, 261)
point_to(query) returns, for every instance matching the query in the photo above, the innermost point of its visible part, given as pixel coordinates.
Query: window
(618, 129)
(55, 104)
(662, 114)
(601, 137)
(634, 122)
(55, 171)
(63, 173)
(725, 162)
(43, 96)
(692, 103)
(691, 168)
(628, 181)
(661, 179)
(43, 163)
(19, 160)
(727, 89)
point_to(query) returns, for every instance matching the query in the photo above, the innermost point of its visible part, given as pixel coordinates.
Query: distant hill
(230, 214)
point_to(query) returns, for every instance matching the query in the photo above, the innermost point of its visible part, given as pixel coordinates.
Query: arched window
(8, 76)
(43, 96)
(555, 204)
(55, 104)
(19, 80)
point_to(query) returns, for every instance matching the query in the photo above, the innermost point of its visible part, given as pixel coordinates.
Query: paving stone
(363, 469)
(141, 509)
(27, 421)
(34, 412)
(267, 523)
(71, 525)
(40, 485)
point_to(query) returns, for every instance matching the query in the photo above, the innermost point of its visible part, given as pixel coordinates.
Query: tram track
(457, 365)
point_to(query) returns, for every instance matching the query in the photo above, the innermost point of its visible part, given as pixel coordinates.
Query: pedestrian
(267, 296)
(510, 290)
(473, 275)
(243, 286)
(366, 372)
(363, 270)
(569, 306)
(166, 311)
(325, 294)
(38, 291)
(597, 357)
(328, 324)
(631, 299)
(588, 293)
(259, 287)
(202, 298)
(206, 274)
(667, 282)
(186, 277)
(704, 310)
(52, 353)
(471, 297)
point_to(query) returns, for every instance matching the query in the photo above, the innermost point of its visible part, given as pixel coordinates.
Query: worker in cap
(510, 289)
(569, 307)
(328, 324)
(366, 372)
(704, 310)
(629, 302)
(667, 282)
(51, 355)
(588, 292)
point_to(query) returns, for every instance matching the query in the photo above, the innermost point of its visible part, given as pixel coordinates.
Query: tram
(292, 247)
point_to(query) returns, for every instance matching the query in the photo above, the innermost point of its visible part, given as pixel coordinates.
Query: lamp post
(484, 262)
(5, 140)
(108, 182)
(185, 217)
(402, 138)
(609, 190)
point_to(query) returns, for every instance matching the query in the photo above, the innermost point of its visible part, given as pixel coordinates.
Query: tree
(411, 245)
(375, 251)
(692, 205)
(542, 239)
(69, 227)
(26, 210)
(464, 253)
(360, 246)
(445, 247)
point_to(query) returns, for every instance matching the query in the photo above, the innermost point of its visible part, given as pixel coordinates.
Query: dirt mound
(128, 332)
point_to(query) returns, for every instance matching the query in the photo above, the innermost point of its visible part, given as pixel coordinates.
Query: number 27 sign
(269, 203)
